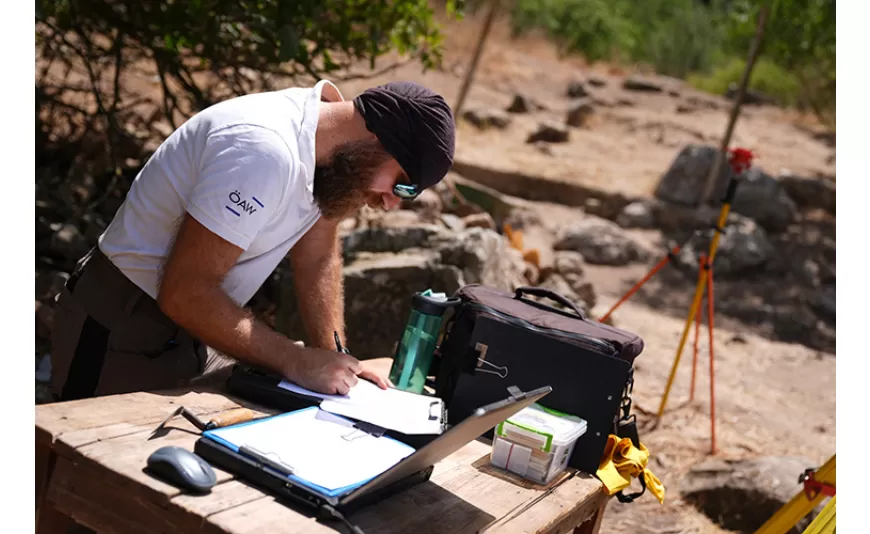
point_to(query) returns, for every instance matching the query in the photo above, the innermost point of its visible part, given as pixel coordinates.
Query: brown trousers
(110, 337)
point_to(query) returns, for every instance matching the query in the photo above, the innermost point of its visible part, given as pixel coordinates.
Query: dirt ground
(625, 148)
(772, 398)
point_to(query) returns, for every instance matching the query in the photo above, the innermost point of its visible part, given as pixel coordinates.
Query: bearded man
(224, 199)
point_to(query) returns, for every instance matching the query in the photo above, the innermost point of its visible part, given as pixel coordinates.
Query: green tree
(800, 37)
(97, 114)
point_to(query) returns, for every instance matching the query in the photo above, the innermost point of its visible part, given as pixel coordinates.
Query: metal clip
(499, 370)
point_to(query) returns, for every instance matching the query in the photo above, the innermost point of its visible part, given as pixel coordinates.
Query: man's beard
(341, 187)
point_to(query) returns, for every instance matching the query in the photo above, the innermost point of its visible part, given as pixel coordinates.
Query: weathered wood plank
(223, 497)
(104, 457)
(44, 464)
(266, 515)
(104, 505)
(572, 502)
(121, 460)
(593, 524)
(121, 457)
(101, 505)
(55, 419)
(460, 497)
(67, 442)
(51, 521)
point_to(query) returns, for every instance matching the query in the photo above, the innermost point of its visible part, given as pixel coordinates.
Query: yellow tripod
(817, 486)
(740, 160)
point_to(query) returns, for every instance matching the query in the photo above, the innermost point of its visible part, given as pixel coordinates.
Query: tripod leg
(699, 292)
(701, 263)
(664, 261)
(712, 373)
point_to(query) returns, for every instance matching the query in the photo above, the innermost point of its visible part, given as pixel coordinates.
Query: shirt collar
(322, 90)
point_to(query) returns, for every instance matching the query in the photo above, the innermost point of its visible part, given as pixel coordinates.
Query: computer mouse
(182, 468)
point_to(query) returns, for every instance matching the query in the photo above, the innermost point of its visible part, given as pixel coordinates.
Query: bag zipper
(599, 345)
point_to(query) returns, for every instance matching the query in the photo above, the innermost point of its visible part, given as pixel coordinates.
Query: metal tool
(232, 417)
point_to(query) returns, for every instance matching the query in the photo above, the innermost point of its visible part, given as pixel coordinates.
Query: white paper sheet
(323, 449)
(390, 408)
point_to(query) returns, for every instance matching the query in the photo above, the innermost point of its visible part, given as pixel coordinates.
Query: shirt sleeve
(242, 176)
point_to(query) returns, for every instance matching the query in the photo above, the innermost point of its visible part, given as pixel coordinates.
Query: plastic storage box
(536, 443)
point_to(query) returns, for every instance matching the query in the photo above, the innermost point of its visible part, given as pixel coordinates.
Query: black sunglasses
(405, 191)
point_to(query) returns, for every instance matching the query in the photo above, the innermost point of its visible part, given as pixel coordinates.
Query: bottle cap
(432, 304)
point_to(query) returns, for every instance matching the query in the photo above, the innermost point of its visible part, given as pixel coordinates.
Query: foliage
(677, 37)
(96, 109)
(801, 37)
(767, 77)
(701, 38)
(674, 36)
(597, 28)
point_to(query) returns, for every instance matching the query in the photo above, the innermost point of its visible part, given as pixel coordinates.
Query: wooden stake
(469, 75)
(735, 109)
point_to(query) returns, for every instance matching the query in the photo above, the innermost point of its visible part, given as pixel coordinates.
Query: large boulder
(579, 114)
(602, 242)
(390, 239)
(570, 266)
(483, 257)
(577, 89)
(638, 214)
(559, 285)
(759, 195)
(549, 132)
(743, 248)
(488, 118)
(820, 193)
(524, 104)
(384, 267)
(643, 84)
(824, 301)
(378, 291)
(742, 495)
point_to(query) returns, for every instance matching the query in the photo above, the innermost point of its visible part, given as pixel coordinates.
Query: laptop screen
(466, 431)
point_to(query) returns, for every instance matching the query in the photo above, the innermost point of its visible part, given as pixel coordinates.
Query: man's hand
(377, 370)
(325, 371)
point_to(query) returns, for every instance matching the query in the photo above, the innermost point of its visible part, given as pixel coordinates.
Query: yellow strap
(621, 462)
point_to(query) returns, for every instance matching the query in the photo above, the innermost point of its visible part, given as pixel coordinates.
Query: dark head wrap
(415, 125)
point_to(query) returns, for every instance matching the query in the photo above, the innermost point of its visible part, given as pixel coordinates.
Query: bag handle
(552, 295)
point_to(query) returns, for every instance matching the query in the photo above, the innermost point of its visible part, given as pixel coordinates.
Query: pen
(338, 346)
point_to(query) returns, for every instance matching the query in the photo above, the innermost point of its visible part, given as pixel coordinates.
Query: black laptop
(413, 469)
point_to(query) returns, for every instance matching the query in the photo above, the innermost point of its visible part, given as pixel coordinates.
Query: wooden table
(90, 456)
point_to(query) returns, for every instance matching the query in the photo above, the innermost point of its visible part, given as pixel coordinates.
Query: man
(222, 201)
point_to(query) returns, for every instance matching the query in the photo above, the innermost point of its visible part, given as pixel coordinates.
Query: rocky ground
(579, 178)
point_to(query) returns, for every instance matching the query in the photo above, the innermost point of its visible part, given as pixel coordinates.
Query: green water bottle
(414, 353)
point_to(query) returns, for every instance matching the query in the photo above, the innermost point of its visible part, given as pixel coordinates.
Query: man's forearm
(211, 316)
(320, 296)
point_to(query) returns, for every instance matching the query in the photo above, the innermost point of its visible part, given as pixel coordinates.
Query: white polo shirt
(243, 168)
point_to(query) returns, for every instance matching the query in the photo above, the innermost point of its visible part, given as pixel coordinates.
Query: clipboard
(413, 469)
(263, 387)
